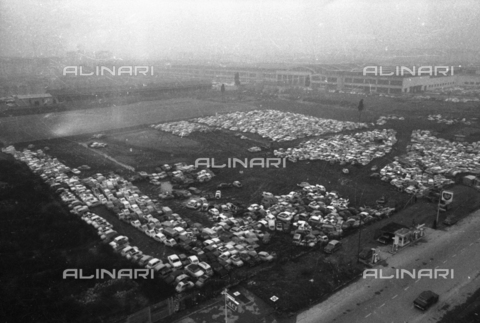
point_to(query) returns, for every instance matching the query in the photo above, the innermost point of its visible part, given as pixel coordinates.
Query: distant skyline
(144, 29)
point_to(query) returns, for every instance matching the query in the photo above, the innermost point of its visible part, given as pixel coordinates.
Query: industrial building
(338, 77)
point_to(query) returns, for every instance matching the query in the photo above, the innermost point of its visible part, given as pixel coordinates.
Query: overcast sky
(156, 28)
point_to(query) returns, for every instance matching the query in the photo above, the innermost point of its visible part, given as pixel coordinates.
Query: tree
(237, 79)
(222, 89)
(361, 107)
(307, 81)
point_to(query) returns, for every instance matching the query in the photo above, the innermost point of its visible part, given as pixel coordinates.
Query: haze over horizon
(145, 29)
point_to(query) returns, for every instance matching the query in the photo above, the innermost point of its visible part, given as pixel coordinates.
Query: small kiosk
(404, 236)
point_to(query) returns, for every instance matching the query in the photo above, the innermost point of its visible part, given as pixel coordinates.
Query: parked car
(206, 268)
(425, 300)
(175, 261)
(193, 204)
(450, 220)
(152, 263)
(224, 185)
(386, 238)
(332, 246)
(236, 261)
(183, 286)
(201, 281)
(160, 237)
(136, 224)
(219, 270)
(181, 277)
(198, 251)
(193, 260)
(170, 242)
(265, 256)
(204, 207)
(218, 194)
(194, 270)
(164, 270)
(237, 184)
(225, 258)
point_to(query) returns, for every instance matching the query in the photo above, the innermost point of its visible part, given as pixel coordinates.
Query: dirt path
(130, 168)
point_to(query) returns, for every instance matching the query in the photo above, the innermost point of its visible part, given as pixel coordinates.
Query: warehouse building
(337, 77)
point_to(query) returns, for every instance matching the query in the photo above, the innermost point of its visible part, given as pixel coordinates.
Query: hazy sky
(157, 28)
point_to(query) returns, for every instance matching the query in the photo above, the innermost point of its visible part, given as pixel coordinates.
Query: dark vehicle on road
(451, 220)
(425, 300)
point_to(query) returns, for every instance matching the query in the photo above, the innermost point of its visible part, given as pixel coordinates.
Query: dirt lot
(297, 282)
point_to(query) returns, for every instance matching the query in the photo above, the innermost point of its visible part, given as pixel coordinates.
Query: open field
(145, 149)
(62, 124)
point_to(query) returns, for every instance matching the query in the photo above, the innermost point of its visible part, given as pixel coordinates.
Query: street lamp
(359, 238)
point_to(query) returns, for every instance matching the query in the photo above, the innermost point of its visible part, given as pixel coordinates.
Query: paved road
(376, 300)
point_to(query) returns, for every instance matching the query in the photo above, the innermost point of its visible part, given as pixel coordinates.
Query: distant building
(326, 77)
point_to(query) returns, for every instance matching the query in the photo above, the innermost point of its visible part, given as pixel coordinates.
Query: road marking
(382, 305)
(406, 288)
(368, 315)
(436, 267)
(454, 255)
(471, 244)
(445, 261)
(394, 296)
(417, 280)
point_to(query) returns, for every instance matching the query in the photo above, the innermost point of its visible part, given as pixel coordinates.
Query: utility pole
(359, 238)
(226, 311)
(438, 210)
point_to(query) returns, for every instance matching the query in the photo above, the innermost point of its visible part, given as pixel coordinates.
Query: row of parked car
(277, 125)
(429, 162)
(383, 119)
(314, 216)
(442, 119)
(124, 199)
(178, 173)
(181, 128)
(360, 148)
